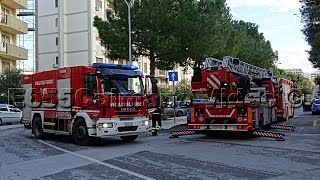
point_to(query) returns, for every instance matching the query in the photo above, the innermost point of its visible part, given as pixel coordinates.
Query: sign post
(173, 76)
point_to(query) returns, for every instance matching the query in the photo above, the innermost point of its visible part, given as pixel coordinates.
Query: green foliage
(10, 84)
(310, 14)
(247, 43)
(317, 80)
(155, 26)
(304, 85)
(184, 33)
(166, 94)
(183, 90)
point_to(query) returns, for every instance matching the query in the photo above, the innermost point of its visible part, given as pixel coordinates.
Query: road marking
(97, 161)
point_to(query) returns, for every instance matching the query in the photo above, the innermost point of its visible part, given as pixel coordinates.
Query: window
(56, 3)
(111, 61)
(4, 14)
(57, 22)
(5, 38)
(99, 3)
(3, 109)
(99, 60)
(5, 65)
(57, 41)
(145, 68)
(57, 60)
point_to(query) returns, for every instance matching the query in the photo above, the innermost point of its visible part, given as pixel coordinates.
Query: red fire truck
(87, 101)
(241, 97)
(284, 90)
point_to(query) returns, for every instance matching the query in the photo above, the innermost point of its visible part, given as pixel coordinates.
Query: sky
(279, 21)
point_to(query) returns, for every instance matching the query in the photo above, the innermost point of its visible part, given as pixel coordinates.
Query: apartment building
(295, 71)
(314, 75)
(66, 36)
(10, 28)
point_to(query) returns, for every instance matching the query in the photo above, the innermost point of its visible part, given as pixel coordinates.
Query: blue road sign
(173, 76)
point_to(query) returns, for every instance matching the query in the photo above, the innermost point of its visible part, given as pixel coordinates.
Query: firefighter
(156, 119)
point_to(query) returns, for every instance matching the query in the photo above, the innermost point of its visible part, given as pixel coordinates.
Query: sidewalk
(169, 123)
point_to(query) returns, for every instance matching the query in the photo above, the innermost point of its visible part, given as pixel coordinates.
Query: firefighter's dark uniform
(156, 118)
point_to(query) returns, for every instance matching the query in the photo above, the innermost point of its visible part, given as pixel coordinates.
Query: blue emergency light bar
(114, 66)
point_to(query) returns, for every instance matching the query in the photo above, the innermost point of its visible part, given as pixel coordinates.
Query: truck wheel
(80, 133)
(179, 113)
(129, 138)
(37, 128)
(0, 122)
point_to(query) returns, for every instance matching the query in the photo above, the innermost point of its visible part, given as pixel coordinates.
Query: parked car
(315, 106)
(180, 110)
(9, 114)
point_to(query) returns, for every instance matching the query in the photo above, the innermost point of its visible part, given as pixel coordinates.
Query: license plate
(128, 124)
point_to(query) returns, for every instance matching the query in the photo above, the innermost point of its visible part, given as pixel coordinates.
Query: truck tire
(0, 122)
(37, 129)
(80, 133)
(129, 138)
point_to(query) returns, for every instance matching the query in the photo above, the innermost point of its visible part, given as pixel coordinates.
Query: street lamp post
(128, 2)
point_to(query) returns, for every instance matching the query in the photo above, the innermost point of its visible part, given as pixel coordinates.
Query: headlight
(106, 125)
(146, 123)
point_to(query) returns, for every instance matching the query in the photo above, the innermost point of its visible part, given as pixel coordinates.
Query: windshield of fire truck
(120, 85)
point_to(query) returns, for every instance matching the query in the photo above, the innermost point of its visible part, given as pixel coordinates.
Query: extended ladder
(236, 66)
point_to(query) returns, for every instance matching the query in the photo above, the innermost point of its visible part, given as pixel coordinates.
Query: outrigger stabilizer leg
(176, 134)
(277, 136)
(290, 128)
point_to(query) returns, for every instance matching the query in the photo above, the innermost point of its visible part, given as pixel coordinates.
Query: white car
(9, 114)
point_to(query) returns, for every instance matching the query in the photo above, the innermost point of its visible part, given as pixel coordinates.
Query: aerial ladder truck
(241, 97)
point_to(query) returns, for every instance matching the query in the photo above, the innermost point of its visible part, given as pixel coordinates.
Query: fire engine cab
(100, 100)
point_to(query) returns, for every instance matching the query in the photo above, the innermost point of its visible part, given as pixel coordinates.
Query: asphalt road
(188, 157)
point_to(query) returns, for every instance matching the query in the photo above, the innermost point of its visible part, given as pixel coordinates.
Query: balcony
(15, 4)
(13, 25)
(10, 51)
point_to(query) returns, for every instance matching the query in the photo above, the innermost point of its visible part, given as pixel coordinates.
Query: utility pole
(128, 2)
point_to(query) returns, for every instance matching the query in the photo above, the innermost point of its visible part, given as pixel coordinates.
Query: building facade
(10, 28)
(295, 71)
(66, 36)
(314, 75)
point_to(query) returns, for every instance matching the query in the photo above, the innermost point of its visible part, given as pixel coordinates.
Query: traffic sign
(173, 76)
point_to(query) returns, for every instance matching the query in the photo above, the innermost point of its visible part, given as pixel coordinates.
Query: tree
(183, 90)
(10, 84)
(247, 43)
(310, 16)
(317, 80)
(168, 32)
(166, 94)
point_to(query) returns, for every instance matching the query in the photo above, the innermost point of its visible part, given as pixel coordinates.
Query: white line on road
(97, 161)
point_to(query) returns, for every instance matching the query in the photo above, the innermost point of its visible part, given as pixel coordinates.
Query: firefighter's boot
(154, 131)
